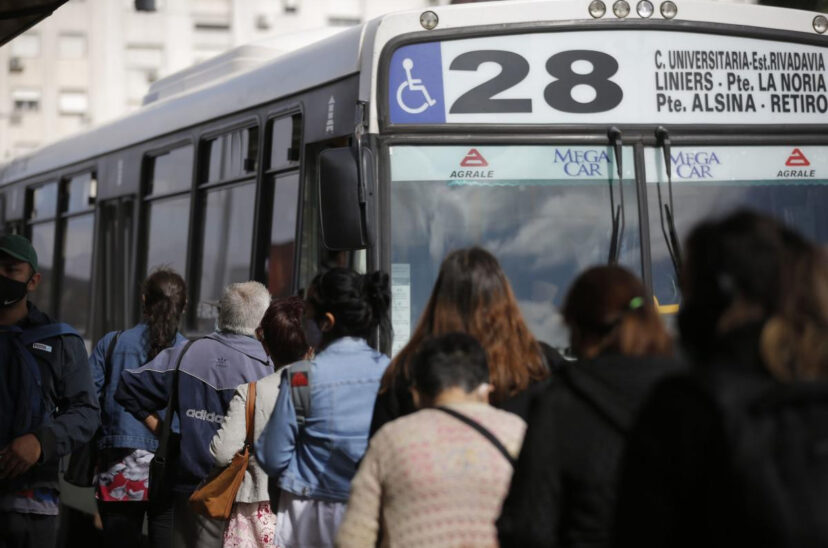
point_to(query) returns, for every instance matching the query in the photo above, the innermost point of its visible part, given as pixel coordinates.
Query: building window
(26, 45)
(26, 100)
(144, 55)
(73, 102)
(343, 21)
(72, 46)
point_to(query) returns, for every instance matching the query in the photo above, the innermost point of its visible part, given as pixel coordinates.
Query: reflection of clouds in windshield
(553, 235)
(546, 322)
(566, 228)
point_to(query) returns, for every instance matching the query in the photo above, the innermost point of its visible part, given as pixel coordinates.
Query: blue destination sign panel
(608, 76)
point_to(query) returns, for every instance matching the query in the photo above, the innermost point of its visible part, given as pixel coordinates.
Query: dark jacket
(210, 371)
(689, 472)
(68, 390)
(119, 429)
(564, 488)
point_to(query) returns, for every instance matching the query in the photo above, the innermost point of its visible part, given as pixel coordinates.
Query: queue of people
(474, 434)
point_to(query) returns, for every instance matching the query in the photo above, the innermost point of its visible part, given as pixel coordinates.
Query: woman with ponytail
(126, 445)
(312, 450)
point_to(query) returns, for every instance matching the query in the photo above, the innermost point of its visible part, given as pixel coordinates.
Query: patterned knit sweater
(432, 480)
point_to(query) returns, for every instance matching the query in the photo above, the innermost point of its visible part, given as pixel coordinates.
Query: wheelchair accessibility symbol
(413, 85)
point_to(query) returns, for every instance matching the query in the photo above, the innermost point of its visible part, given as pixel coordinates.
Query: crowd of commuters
(474, 434)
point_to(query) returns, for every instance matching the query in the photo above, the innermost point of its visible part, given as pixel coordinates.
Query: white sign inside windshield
(799, 164)
(507, 163)
(608, 76)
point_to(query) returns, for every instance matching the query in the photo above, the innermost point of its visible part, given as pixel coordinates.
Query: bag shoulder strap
(483, 431)
(250, 415)
(299, 375)
(172, 404)
(108, 358)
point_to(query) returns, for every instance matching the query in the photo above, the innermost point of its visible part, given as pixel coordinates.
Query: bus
(556, 134)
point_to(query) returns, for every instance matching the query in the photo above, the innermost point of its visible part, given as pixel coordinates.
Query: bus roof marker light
(820, 24)
(429, 20)
(669, 9)
(597, 9)
(621, 8)
(645, 9)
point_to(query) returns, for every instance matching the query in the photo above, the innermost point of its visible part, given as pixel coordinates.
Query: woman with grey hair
(209, 373)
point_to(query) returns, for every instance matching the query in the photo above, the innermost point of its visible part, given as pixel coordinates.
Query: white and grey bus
(557, 134)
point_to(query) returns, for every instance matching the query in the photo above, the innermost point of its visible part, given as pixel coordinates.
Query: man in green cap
(48, 405)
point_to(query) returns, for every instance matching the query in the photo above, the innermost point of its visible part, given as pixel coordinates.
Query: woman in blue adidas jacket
(126, 444)
(315, 462)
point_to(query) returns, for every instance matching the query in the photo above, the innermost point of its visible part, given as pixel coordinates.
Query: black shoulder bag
(81, 468)
(162, 466)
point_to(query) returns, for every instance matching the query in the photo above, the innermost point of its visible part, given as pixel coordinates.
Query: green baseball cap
(20, 248)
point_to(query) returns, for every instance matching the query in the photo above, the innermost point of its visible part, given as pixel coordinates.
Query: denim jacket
(320, 459)
(120, 428)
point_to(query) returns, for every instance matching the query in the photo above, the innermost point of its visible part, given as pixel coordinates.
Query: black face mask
(11, 291)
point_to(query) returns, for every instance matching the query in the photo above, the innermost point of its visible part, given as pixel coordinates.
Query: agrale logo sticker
(797, 159)
(473, 159)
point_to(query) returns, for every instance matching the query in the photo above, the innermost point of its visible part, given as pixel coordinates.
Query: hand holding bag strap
(483, 431)
(250, 419)
(172, 404)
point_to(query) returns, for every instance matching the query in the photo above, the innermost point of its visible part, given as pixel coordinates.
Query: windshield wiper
(667, 212)
(616, 213)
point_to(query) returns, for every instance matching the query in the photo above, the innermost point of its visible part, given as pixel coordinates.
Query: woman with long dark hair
(471, 295)
(126, 445)
(733, 453)
(319, 428)
(563, 490)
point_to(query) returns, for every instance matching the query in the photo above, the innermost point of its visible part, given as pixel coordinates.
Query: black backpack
(776, 436)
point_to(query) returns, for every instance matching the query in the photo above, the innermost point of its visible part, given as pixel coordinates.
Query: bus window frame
(61, 234)
(265, 192)
(633, 137)
(146, 199)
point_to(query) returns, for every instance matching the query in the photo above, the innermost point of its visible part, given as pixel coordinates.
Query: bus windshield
(788, 182)
(544, 211)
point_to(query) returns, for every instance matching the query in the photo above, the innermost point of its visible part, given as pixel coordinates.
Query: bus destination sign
(608, 76)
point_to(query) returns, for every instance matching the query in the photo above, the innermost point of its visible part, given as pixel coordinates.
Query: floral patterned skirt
(251, 525)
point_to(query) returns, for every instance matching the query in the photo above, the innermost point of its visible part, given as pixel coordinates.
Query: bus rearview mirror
(341, 211)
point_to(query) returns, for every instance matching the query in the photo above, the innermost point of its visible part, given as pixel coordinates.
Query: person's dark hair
(448, 361)
(748, 271)
(358, 302)
(472, 295)
(164, 296)
(607, 310)
(282, 330)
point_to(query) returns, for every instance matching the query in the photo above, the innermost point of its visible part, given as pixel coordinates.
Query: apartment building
(94, 60)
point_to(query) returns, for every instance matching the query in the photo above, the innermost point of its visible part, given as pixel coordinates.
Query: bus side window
(167, 213)
(41, 220)
(75, 254)
(227, 196)
(280, 202)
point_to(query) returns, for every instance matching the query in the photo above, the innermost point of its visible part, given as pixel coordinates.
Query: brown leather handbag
(216, 496)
